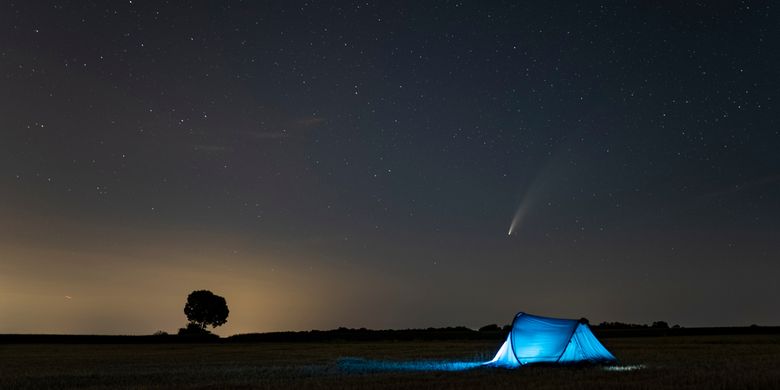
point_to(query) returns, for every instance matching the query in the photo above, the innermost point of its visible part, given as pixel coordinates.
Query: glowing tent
(535, 339)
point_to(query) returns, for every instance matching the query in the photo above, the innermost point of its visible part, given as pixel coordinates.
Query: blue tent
(535, 339)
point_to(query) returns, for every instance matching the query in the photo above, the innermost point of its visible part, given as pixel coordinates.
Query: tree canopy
(204, 308)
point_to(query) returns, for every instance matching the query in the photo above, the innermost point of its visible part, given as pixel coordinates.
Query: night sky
(359, 164)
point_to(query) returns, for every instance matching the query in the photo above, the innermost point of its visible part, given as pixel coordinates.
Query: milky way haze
(355, 165)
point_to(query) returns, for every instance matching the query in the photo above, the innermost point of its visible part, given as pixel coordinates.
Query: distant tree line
(603, 325)
(363, 334)
(622, 325)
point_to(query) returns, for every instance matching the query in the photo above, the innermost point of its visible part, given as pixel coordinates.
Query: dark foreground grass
(709, 362)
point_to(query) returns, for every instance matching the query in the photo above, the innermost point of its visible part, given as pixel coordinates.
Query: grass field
(710, 362)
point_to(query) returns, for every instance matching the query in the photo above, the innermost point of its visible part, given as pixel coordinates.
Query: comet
(517, 219)
(536, 190)
(530, 199)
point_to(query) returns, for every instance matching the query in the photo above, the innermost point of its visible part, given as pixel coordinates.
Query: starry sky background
(358, 163)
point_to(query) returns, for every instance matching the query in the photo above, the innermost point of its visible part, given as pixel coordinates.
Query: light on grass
(625, 368)
(362, 365)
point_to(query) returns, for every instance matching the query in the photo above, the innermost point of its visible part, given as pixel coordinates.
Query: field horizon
(366, 334)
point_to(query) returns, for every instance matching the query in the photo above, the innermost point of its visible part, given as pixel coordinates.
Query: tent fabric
(534, 339)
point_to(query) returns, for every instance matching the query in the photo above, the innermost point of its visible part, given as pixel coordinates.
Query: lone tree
(203, 308)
